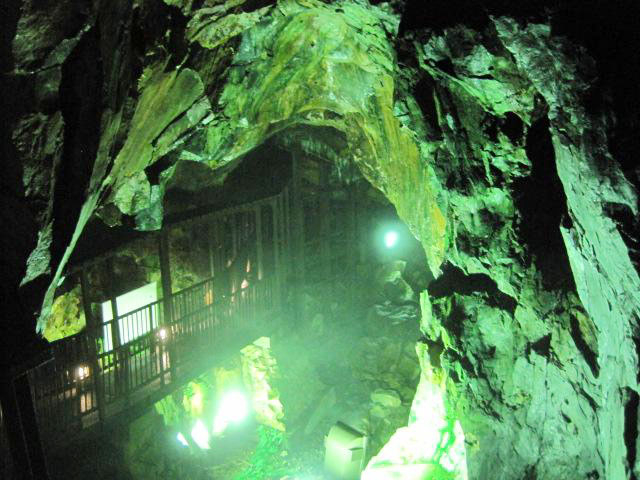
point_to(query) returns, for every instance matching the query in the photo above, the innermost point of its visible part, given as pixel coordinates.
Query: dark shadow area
(587, 353)
(454, 280)
(541, 201)
(610, 32)
(261, 173)
(631, 430)
(512, 127)
(629, 227)
(542, 346)
(441, 14)
(80, 102)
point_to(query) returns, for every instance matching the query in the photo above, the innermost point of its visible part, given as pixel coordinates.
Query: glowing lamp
(162, 333)
(182, 440)
(233, 409)
(390, 239)
(82, 372)
(200, 435)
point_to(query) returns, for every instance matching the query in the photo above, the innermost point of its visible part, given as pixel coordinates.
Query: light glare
(182, 440)
(200, 435)
(162, 333)
(390, 238)
(233, 409)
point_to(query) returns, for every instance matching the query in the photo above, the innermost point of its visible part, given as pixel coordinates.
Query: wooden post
(94, 335)
(167, 296)
(287, 222)
(259, 252)
(325, 225)
(20, 427)
(234, 236)
(211, 248)
(276, 252)
(120, 358)
(216, 258)
(352, 239)
(28, 419)
(297, 227)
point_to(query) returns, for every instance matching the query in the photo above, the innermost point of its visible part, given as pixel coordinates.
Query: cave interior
(313, 239)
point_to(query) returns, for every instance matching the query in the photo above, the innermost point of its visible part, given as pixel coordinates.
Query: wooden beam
(95, 333)
(167, 294)
(259, 247)
(275, 220)
(121, 360)
(297, 222)
(324, 217)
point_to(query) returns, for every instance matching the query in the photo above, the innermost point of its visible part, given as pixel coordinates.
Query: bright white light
(233, 409)
(82, 372)
(200, 435)
(131, 327)
(162, 333)
(390, 238)
(182, 440)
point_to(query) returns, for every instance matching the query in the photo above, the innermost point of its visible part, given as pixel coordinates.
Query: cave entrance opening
(343, 294)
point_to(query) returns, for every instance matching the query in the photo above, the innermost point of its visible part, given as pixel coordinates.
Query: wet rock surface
(506, 137)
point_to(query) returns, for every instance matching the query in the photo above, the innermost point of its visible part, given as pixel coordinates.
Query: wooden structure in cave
(259, 254)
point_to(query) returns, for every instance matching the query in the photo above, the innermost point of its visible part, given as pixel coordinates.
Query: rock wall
(503, 137)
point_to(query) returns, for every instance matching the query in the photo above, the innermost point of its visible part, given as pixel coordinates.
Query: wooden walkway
(75, 390)
(86, 382)
(81, 385)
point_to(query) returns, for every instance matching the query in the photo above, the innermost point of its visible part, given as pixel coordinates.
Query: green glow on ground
(431, 446)
(200, 435)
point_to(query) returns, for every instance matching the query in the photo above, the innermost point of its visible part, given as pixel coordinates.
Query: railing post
(94, 334)
(325, 226)
(275, 220)
(352, 239)
(21, 428)
(167, 296)
(120, 357)
(259, 252)
(297, 226)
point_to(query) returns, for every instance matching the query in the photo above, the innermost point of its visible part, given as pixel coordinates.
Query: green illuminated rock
(506, 148)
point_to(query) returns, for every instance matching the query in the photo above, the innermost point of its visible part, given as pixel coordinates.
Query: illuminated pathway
(119, 368)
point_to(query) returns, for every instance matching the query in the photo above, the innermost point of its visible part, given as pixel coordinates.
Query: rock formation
(504, 136)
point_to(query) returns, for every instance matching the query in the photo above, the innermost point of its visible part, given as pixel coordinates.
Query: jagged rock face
(549, 372)
(489, 136)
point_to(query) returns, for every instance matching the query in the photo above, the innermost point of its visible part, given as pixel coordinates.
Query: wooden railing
(82, 385)
(89, 380)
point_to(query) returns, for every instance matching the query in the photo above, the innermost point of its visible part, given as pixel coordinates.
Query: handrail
(85, 384)
(66, 389)
(191, 219)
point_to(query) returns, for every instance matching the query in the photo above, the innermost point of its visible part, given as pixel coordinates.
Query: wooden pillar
(21, 427)
(287, 222)
(120, 357)
(234, 236)
(275, 220)
(259, 250)
(215, 259)
(297, 222)
(352, 239)
(211, 247)
(167, 295)
(95, 333)
(165, 276)
(325, 215)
